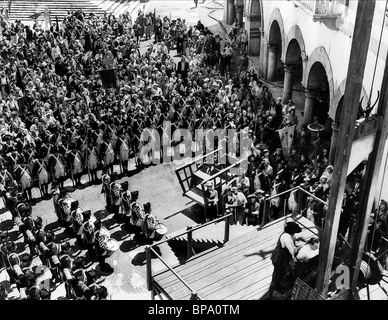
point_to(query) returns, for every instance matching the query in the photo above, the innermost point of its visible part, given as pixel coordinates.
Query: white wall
(336, 43)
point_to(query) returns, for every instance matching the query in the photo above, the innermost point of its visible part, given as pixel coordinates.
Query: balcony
(326, 11)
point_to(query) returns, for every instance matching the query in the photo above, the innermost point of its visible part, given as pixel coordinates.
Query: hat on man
(259, 191)
(292, 228)
(105, 178)
(124, 185)
(252, 196)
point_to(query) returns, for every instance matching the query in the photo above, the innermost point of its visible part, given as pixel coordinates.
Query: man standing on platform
(283, 254)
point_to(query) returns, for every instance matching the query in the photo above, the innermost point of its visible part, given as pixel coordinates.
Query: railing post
(227, 229)
(300, 193)
(265, 209)
(189, 242)
(149, 268)
(194, 296)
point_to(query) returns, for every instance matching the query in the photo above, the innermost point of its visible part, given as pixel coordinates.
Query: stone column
(263, 56)
(252, 25)
(288, 82)
(309, 111)
(334, 140)
(240, 15)
(230, 12)
(272, 63)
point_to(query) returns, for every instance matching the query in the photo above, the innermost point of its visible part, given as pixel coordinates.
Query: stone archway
(275, 16)
(254, 25)
(274, 51)
(320, 55)
(275, 40)
(317, 103)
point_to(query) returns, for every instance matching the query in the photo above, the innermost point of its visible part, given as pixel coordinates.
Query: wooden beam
(356, 69)
(370, 185)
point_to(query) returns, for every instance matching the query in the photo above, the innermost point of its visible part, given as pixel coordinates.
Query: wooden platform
(239, 270)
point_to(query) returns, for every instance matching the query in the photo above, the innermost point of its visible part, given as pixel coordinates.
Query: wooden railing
(189, 232)
(150, 250)
(197, 163)
(266, 213)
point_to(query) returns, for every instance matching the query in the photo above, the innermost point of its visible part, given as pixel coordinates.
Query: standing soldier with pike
(91, 161)
(75, 164)
(41, 173)
(57, 166)
(122, 147)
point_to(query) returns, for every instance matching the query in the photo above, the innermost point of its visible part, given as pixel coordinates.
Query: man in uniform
(137, 215)
(75, 164)
(23, 175)
(106, 184)
(91, 161)
(57, 166)
(89, 238)
(102, 236)
(123, 150)
(107, 154)
(55, 192)
(78, 218)
(40, 172)
(116, 196)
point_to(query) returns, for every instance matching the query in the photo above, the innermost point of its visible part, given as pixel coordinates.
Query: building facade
(306, 44)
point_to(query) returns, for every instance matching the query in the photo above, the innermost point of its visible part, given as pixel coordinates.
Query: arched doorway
(317, 102)
(254, 25)
(275, 64)
(293, 70)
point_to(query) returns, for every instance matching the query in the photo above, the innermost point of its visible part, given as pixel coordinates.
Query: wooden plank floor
(239, 270)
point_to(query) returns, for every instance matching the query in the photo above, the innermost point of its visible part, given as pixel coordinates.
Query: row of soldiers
(57, 258)
(57, 262)
(125, 206)
(25, 165)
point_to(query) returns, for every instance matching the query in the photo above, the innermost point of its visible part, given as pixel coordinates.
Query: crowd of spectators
(59, 120)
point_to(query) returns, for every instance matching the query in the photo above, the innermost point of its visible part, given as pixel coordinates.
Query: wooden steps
(214, 234)
(24, 9)
(241, 269)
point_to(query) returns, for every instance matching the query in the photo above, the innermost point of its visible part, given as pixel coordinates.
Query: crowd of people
(81, 281)
(60, 120)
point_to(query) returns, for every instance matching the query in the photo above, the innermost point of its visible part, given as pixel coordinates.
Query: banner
(47, 19)
(286, 136)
